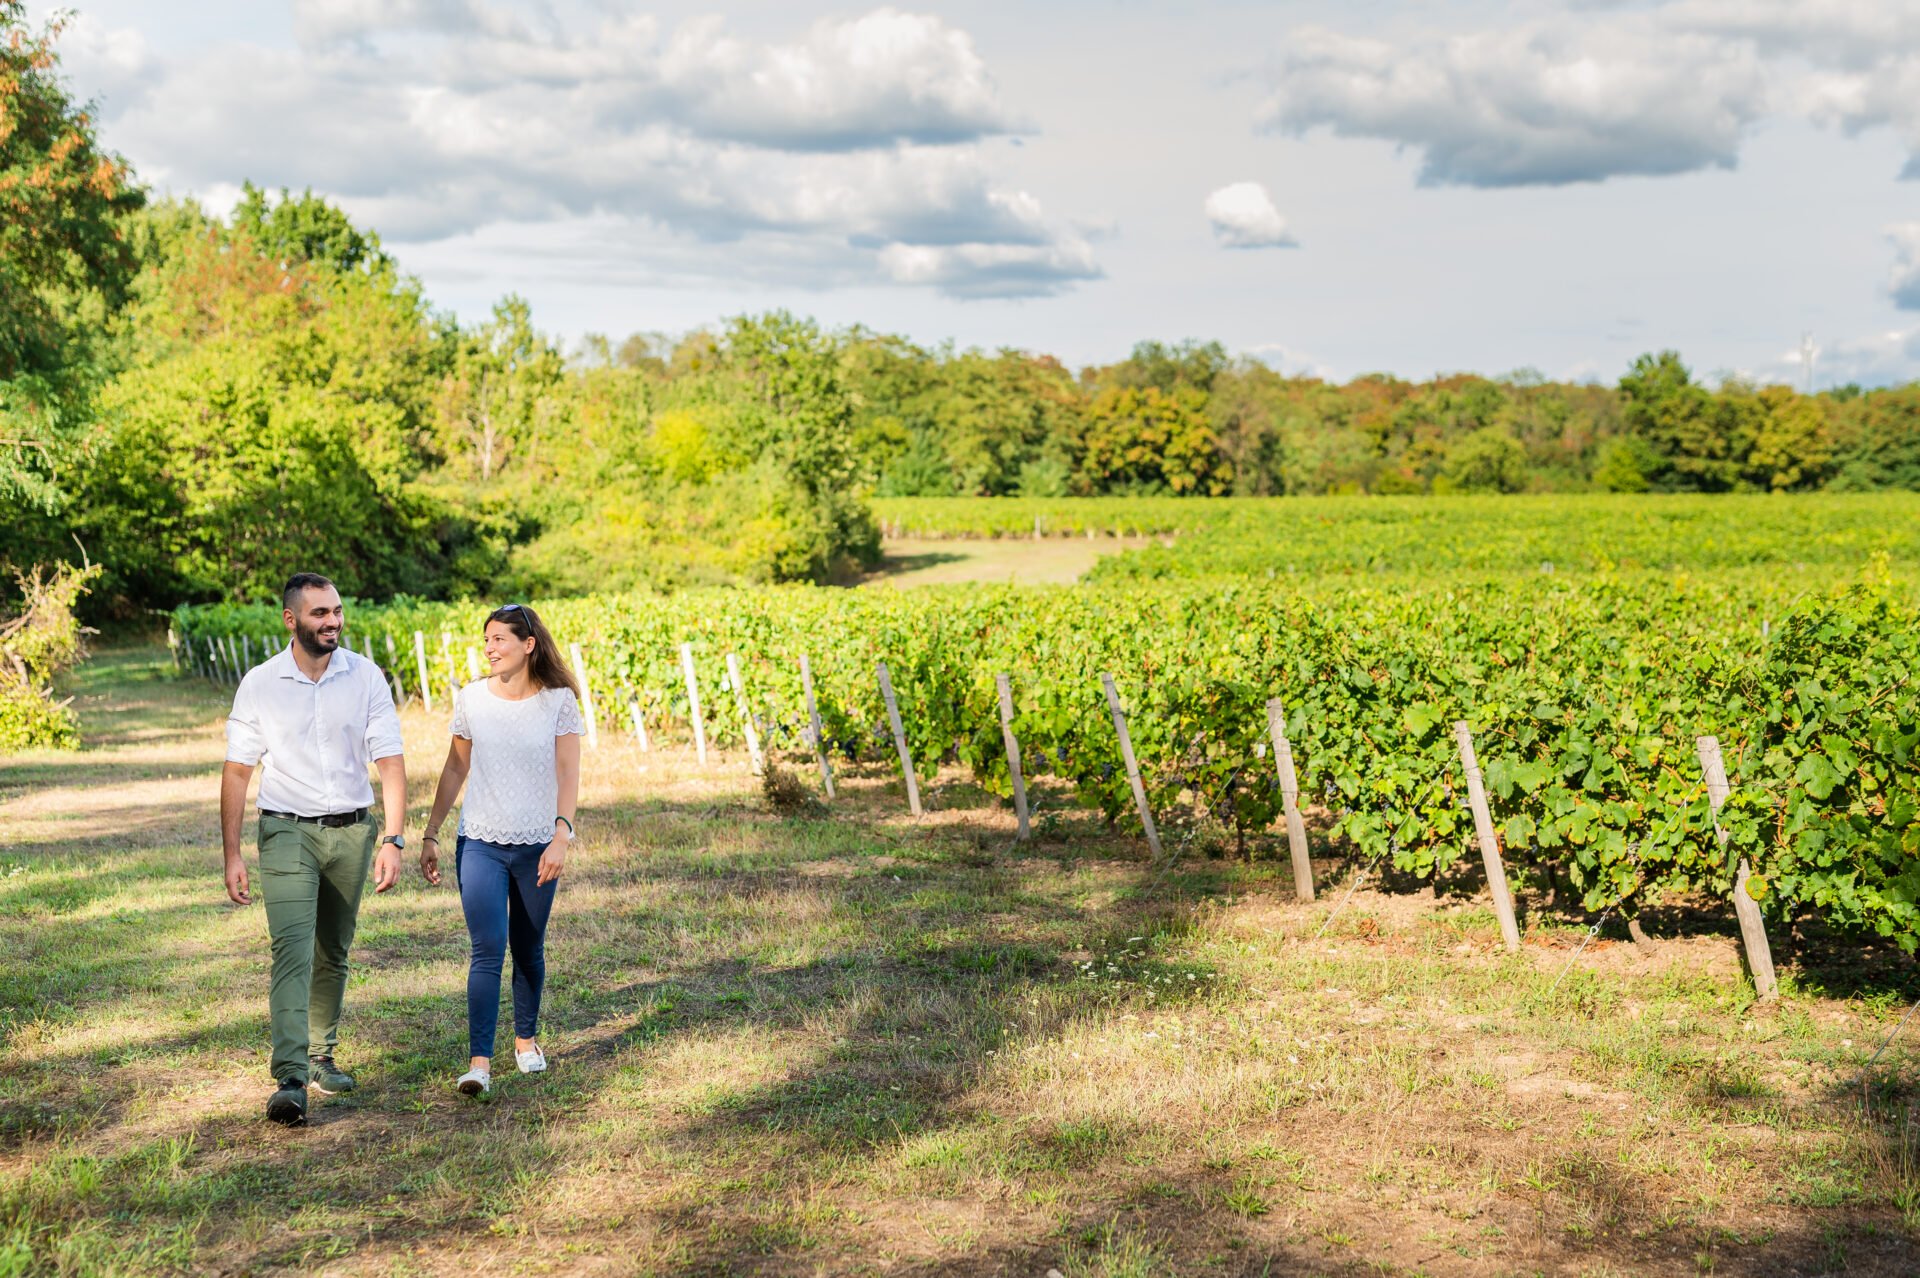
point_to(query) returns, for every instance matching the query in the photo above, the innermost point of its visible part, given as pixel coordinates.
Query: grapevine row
(1585, 701)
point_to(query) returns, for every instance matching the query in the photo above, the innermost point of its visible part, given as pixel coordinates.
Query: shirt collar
(287, 669)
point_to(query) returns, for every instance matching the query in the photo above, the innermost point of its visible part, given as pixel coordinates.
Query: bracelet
(563, 821)
(429, 838)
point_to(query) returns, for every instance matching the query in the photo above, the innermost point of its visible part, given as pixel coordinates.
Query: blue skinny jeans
(504, 911)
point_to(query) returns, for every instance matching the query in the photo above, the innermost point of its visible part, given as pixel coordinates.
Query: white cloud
(1243, 216)
(1904, 284)
(991, 270)
(1574, 99)
(863, 82)
(1607, 90)
(318, 23)
(1842, 33)
(863, 135)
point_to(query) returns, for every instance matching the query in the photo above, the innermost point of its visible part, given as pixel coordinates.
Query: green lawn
(857, 1043)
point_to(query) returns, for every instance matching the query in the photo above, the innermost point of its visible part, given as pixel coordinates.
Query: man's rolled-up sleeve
(245, 740)
(383, 721)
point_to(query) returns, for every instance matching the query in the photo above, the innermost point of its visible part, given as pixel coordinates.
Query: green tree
(1149, 440)
(1792, 443)
(64, 259)
(1877, 438)
(1166, 367)
(1488, 460)
(305, 228)
(1626, 464)
(502, 390)
(1702, 441)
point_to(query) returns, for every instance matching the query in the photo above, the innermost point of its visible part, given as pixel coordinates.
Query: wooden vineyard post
(473, 664)
(814, 733)
(1290, 801)
(247, 649)
(639, 723)
(693, 704)
(393, 672)
(1753, 929)
(586, 695)
(1489, 842)
(746, 716)
(1004, 687)
(420, 659)
(900, 739)
(1133, 768)
(173, 647)
(453, 680)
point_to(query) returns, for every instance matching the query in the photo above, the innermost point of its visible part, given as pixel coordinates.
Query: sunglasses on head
(509, 608)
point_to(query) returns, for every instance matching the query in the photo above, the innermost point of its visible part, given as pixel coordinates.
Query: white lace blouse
(513, 787)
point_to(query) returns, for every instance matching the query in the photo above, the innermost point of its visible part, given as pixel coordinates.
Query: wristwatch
(396, 840)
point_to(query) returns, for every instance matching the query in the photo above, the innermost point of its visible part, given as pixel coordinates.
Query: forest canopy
(205, 403)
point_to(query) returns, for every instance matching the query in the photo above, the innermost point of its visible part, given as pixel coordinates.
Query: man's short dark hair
(301, 581)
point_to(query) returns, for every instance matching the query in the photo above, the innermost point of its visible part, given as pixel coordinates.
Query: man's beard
(311, 642)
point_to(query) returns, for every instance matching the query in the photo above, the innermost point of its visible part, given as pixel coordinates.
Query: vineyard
(1585, 695)
(1310, 536)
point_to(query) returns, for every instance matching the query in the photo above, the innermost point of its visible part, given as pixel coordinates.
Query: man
(318, 712)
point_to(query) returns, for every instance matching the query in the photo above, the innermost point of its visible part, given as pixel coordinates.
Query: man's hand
(237, 881)
(430, 861)
(552, 862)
(386, 867)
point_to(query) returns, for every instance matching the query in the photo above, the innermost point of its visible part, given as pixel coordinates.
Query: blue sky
(1336, 188)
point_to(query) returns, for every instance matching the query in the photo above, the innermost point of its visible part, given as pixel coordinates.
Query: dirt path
(1008, 560)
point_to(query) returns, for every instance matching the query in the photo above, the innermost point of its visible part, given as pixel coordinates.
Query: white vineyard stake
(1004, 688)
(586, 695)
(1290, 801)
(420, 656)
(1489, 842)
(693, 703)
(1753, 928)
(900, 740)
(746, 716)
(1133, 768)
(814, 732)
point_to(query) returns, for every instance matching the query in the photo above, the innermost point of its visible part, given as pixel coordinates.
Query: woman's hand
(430, 860)
(553, 861)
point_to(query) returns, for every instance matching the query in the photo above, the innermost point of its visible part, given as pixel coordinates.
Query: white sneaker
(534, 1062)
(475, 1082)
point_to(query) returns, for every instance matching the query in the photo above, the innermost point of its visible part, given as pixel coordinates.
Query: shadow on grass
(878, 970)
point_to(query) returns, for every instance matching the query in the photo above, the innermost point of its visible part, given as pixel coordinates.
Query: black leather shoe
(289, 1104)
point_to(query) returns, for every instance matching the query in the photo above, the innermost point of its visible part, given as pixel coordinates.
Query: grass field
(863, 1044)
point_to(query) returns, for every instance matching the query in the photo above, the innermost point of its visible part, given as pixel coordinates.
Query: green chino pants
(310, 877)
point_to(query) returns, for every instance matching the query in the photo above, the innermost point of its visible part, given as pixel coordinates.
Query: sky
(1334, 188)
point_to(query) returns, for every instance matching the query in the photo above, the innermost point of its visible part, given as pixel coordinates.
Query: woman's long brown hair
(544, 666)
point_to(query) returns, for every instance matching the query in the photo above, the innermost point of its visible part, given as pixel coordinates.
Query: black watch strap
(397, 840)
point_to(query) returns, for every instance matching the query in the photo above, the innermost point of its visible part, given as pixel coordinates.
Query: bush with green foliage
(41, 638)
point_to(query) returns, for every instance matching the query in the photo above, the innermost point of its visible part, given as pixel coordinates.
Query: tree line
(203, 402)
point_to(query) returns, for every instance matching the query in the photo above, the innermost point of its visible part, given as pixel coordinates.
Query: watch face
(397, 841)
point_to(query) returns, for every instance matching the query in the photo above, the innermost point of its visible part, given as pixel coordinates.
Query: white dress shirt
(317, 737)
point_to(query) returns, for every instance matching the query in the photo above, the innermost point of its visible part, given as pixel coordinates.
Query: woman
(517, 733)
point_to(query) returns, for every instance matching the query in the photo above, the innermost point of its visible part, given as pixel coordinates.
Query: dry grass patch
(796, 1045)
